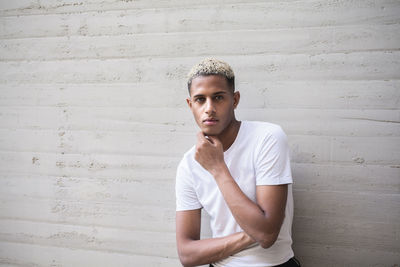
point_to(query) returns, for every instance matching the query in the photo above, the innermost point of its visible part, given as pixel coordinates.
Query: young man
(239, 172)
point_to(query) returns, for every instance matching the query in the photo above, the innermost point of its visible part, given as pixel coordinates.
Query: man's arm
(192, 251)
(261, 220)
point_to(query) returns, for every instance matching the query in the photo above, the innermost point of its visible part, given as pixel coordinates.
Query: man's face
(212, 103)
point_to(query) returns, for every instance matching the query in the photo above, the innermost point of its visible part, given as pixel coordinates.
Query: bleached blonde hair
(212, 66)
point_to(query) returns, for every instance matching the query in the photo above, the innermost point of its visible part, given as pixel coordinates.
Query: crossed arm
(261, 221)
(193, 251)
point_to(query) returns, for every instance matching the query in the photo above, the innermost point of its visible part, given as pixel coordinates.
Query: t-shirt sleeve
(273, 161)
(186, 197)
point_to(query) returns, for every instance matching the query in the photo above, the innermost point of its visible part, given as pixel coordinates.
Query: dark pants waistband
(293, 262)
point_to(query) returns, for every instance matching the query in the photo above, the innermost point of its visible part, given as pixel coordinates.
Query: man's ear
(189, 102)
(236, 98)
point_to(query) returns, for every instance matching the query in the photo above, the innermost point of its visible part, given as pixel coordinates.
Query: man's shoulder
(188, 157)
(264, 128)
(189, 153)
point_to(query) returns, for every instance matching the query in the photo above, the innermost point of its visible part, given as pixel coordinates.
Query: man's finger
(209, 139)
(214, 140)
(202, 137)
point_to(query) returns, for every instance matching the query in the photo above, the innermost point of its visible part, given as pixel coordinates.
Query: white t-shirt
(258, 156)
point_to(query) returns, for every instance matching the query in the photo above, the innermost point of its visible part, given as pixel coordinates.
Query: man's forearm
(248, 214)
(205, 251)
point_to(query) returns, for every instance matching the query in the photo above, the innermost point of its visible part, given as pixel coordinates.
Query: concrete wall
(93, 122)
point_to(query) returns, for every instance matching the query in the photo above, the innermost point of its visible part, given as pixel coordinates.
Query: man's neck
(228, 136)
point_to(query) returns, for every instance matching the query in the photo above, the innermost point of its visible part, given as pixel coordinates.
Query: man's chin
(210, 133)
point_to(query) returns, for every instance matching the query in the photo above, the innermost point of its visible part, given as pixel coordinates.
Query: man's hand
(209, 153)
(193, 252)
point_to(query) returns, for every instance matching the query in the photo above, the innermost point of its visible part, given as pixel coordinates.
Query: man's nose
(210, 108)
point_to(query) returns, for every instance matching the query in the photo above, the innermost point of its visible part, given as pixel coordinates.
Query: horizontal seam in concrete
(276, 53)
(39, 7)
(85, 225)
(90, 249)
(295, 28)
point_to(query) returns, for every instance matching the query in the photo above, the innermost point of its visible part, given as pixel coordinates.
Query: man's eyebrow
(220, 92)
(214, 94)
(199, 95)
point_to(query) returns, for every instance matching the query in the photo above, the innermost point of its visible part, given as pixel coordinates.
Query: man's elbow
(187, 260)
(266, 244)
(268, 240)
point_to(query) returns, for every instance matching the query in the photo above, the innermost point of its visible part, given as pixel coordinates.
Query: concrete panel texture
(93, 122)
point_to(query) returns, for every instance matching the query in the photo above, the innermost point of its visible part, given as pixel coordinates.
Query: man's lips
(210, 121)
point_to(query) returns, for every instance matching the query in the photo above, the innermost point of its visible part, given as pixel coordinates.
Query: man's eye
(219, 97)
(200, 99)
